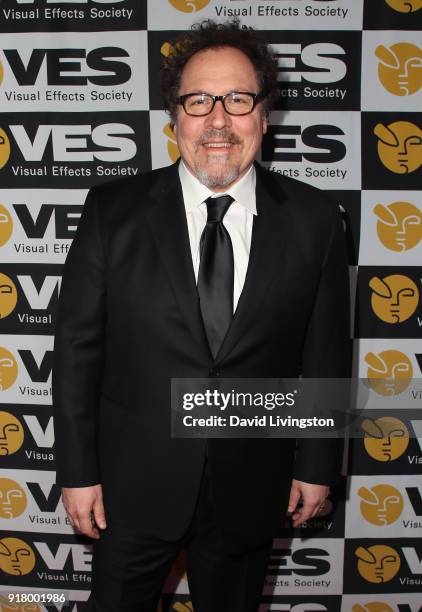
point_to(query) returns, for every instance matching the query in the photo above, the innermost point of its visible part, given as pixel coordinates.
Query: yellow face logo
(12, 607)
(400, 146)
(385, 439)
(8, 369)
(189, 6)
(394, 298)
(400, 225)
(183, 607)
(8, 296)
(11, 434)
(381, 504)
(400, 68)
(6, 225)
(172, 148)
(377, 564)
(12, 499)
(4, 148)
(374, 606)
(166, 49)
(16, 557)
(389, 372)
(405, 6)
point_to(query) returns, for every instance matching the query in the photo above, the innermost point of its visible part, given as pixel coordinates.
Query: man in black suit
(210, 267)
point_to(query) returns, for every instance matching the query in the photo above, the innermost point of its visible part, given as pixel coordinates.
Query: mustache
(223, 134)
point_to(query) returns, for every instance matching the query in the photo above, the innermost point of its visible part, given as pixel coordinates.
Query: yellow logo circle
(389, 372)
(8, 369)
(166, 49)
(381, 504)
(189, 6)
(394, 298)
(385, 439)
(405, 6)
(399, 146)
(11, 433)
(1, 73)
(6, 225)
(400, 225)
(4, 148)
(378, 563)
(178, 606)
(373, 606)
(16, 557)
(25, 607)
(8, 296)
(12, 498)
(400, 68)
(172, 148)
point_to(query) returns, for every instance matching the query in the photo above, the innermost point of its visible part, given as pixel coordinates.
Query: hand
(85, 509)
(313, 497)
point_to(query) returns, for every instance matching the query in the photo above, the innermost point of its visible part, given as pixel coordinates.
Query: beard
(217, 170)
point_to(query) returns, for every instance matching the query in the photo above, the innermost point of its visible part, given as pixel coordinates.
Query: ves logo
(8, 369)
(322, 56)
(183, 607)
(378, 563)
(8, 296)
(394, 298)
(12, 499)
(16, 557)
(373, 606)
(4, 148)
(400, 68)
(386, 438)
(6, 225)
(381, 504)
(400, 225)
(189, 6)
(389, 372)
(400, 146)
(11, 434)
(405, 6)
(172, 148)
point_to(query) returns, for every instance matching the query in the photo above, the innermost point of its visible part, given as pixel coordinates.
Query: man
(152, 280)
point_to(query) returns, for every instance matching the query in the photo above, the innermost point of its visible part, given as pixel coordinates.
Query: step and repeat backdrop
(80, 105)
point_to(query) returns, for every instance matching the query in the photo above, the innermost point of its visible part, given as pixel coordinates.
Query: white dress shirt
(238, 220)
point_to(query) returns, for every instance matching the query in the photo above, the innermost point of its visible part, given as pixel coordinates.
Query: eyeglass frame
(257, 97)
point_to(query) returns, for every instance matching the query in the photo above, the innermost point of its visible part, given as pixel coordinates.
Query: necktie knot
(217, 208)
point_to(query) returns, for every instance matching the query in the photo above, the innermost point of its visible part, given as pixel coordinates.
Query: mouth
(217, 144)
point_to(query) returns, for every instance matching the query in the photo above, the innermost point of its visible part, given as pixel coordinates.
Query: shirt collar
(195, 193)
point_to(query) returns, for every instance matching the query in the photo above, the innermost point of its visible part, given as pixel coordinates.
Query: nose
(218, 118)
(404, 148)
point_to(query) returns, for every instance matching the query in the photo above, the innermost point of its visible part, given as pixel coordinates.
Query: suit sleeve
(79, 353)
(327, 354)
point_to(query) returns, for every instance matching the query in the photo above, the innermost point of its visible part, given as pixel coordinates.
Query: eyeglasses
(234, 103)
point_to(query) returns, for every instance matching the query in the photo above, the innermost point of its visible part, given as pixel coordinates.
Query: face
(219, 148)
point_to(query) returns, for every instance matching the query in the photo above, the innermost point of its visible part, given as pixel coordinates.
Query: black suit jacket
(129, 321)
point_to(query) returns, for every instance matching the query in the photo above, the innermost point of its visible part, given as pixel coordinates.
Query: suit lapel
(267, 245)
(166, 218)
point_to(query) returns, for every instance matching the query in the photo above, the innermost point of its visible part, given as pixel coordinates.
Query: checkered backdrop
(80, 105)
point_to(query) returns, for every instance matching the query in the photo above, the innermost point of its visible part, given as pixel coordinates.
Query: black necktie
(215, 276)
